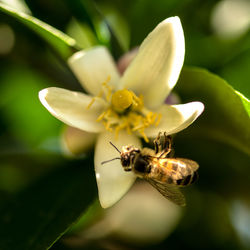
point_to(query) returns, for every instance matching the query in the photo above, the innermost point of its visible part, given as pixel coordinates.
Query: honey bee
(157, 166)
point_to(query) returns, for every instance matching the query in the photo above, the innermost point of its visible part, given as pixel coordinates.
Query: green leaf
(109, 26)
(237, 72)
(226, 115)
(82, 33)
(118, 25)
(86, 12)
(245, 102)
(21, 108)
(62, 43)
(143, 16)
(40, 215)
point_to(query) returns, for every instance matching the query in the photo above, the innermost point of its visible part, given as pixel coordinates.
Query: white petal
(175, 118)
(113, 182)
(156, 68)
(76, 142)
(93, 67)
(71, 108)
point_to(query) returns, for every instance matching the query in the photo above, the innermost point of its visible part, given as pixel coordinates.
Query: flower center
(125, 111)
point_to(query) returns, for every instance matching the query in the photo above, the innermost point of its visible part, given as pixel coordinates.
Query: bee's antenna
(117, 158)
(115, 147)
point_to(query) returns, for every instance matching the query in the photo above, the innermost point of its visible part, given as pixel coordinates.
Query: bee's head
(128, 154)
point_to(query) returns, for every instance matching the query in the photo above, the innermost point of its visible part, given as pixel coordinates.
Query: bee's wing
(170, 191)
(190, 163)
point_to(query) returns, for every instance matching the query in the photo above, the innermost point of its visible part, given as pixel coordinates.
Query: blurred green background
(43, 192)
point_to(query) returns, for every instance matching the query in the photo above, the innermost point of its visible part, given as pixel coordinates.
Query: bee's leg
(167, 146)
(168, 141)
(157, 143)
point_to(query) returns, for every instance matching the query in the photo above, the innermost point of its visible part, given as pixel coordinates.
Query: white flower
(123, 108)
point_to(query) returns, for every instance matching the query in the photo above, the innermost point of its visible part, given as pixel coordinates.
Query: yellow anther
(121, 100)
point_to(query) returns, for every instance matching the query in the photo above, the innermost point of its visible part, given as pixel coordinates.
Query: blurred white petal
(113, 182)
(143, 216)
(71, 108)
(156, 68)
(94, 66)
(231, 18)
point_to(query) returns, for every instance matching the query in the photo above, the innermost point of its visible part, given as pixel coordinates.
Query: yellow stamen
(101, 116)
(91, 103)
(144, 135)
(93, 99)
(126, 111)
(108, 89)
(120, 127)
(105, 88)
(138, 101)
(158, 120)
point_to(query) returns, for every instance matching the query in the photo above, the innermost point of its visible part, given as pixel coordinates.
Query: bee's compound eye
(141, 165)
(125, 161)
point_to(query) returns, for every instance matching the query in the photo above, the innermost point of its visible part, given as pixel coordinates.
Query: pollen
(125, 111)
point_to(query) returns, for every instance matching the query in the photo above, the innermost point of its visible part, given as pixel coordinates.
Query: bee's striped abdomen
(188, 170)
(177, 171)
(181, 172)
(189, 179)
